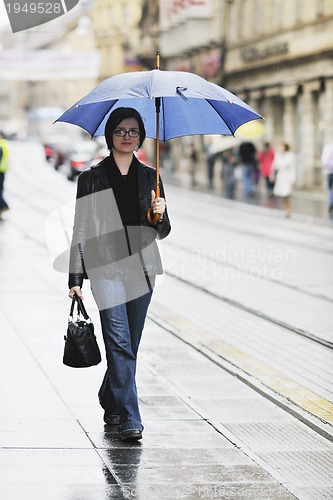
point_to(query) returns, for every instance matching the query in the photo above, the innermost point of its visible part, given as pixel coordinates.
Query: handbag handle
(80, 308)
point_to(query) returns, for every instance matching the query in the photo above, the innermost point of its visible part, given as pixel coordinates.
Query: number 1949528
(34, 8)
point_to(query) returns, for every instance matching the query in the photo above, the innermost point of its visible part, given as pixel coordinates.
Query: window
(245, 18)
(260, 17)
(320, 8)
(278, 14)
(298, 11)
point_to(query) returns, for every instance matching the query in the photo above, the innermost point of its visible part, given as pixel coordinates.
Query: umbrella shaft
(158, 107)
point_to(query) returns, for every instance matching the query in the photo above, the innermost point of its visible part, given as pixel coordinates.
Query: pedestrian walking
(210, 158)
(248, 159)
(121, 261)
(327, 162)
(4, 160)
(194, 159)
(284, 176)
(265, 160)
(229, 164)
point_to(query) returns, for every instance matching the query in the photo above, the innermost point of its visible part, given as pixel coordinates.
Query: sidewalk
(53, 441)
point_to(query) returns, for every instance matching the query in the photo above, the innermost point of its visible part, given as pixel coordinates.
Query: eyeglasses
(133, 132)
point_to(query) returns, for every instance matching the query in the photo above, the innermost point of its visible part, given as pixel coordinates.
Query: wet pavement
(53, 441)
(209, 433)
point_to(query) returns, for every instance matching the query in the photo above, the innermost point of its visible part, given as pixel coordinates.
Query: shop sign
(35, 65)
(252, 54)
(210, 65)
(173, 12)
(185, 66)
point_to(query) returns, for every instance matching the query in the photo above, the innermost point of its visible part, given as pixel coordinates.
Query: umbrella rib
(232, 133)
(162, 99)
(103, 118)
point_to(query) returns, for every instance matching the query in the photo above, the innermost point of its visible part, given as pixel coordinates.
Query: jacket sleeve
(77, 271)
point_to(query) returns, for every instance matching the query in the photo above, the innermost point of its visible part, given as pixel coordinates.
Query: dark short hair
(117, 116)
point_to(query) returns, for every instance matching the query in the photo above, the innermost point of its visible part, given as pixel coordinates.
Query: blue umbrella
(171, 103)
(189, 104)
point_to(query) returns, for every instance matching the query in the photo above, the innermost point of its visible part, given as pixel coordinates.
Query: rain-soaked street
(235, 372)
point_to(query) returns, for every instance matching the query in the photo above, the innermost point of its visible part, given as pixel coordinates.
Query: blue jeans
(247, 174)
(122, 327)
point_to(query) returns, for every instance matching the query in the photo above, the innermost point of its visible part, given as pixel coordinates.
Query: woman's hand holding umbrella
(158, 204)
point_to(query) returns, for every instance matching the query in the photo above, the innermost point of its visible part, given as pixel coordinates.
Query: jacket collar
(101, 172)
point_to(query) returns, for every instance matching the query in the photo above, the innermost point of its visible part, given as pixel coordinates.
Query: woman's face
(126, 144)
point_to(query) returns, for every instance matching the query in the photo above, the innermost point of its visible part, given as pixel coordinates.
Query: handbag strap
(80, 308)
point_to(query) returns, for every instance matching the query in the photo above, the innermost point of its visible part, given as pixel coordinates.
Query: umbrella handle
(151, 217)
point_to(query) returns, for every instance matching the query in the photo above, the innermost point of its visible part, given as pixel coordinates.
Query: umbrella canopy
(189, 104)
(251, 130)
(171, 104)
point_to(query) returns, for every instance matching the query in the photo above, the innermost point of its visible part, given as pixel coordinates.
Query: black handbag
(81, 348)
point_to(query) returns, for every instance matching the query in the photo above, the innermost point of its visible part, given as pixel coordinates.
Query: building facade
(117, 35)
(149, 26)
(275, 54)
(47, 68)
(279, 58)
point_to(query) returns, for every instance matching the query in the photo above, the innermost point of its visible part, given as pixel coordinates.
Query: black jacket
(100, 242)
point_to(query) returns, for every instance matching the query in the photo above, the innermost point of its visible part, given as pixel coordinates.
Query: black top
(247, 152)
(125, 189)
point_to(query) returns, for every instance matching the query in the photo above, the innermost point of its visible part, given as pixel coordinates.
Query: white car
(81, 156)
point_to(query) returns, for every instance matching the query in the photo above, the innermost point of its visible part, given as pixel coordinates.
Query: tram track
(317, 424)
(255, 312)
(241, 306)
(243, 269)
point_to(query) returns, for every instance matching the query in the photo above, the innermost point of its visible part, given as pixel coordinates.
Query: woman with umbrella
(114, 246)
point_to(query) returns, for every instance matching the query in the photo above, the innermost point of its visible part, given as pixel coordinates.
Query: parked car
(81, 157)
(57, 148)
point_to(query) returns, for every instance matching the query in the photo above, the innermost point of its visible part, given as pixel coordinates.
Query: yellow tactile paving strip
(275, 380)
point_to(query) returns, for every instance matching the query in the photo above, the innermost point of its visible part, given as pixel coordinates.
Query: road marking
(270, 377)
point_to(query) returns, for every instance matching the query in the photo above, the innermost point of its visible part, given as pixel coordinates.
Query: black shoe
(131, 435)
(111, 419)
